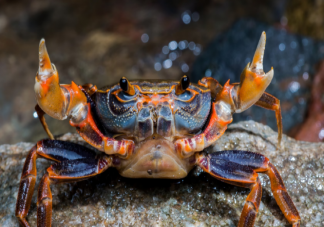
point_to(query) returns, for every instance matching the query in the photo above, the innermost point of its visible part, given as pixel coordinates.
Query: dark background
(100, 41)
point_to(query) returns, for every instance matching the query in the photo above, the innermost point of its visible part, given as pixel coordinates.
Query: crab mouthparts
(155, 159)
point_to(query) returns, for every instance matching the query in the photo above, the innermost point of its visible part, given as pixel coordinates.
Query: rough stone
(197, 200)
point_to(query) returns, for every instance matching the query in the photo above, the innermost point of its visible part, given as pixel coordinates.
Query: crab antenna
(257, 62)
(45, 67)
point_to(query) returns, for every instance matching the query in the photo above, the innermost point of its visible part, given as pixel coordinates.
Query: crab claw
(47, 88)
(253, 80)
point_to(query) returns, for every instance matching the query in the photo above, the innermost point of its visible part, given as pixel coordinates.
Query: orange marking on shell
(192, 98)
(152, 92)
(155, 99)
(115, 93)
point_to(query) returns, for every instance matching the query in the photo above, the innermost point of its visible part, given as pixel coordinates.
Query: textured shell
(155, 109)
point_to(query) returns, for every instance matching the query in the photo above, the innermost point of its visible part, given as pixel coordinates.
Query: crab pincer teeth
(269, 74)
(46, 69)
(257, 62)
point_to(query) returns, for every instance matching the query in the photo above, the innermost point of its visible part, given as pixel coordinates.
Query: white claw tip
(269, 74)
(257, 62)
(45, 67)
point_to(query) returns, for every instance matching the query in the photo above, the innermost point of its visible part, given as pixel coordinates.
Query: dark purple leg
(240, 168)
(55, 150)
(65, 171)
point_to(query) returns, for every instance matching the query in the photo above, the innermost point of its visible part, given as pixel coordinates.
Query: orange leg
(60, 152)
(40, 114)
(270, 102)
(240, 168)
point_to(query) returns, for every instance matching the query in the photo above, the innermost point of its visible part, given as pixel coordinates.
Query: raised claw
(49, 95)
(253, 80)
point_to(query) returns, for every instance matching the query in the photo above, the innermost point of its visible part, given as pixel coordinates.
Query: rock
(197, 200)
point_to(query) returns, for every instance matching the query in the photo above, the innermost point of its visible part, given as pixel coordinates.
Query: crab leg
(63, 101)
(40, 114)
(270, 102)
(240, 168)
(65, 171)
(54, 150)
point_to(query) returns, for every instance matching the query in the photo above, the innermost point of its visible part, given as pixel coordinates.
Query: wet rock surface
(197, 200)
(292, 56)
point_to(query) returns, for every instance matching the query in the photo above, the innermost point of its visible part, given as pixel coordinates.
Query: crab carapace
(151, 129)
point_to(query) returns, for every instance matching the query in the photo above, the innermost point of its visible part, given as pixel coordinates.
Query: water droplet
(157, 66)
(167, 63)
(186, 18)
(293, 44)
(192, 45)
(173, 45)
(173, 56)
(185, 68)
(197, 50)
(145, 38)
(294, 86)
(165, 50)
(305, 75)
(208, 73)
(35, 115)
(183, 44)
(282, 46)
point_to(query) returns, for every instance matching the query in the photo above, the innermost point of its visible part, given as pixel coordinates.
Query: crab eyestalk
(58, 101)
(126, 86)
(253, 81)
(183, 85)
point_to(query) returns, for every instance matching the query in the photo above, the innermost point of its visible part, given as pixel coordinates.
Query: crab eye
(185, 82)
(183, 85)
(126, 86)
(123, 84)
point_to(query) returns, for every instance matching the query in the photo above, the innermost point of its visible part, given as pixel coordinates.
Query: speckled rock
(197, 200)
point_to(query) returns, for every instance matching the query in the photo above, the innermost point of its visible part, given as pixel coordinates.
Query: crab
(151, 129)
